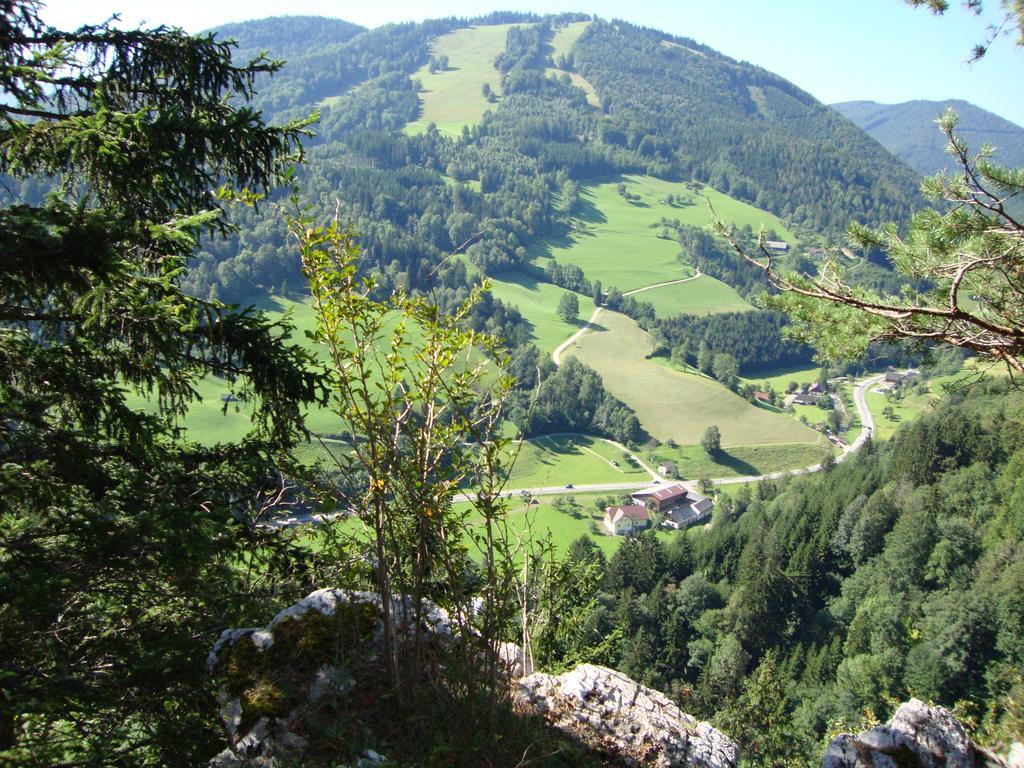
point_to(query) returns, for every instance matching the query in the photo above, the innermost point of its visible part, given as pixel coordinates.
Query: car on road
(569, 485)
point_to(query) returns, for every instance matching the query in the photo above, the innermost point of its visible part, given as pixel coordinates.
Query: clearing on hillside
(554, 461)
(672, 405)
(537, 303)
(621, 241)
(564, 39)
(702, 296)
(453, 98)
(562, 43)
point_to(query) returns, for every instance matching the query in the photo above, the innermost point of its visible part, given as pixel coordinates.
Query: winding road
(859, 390)
(866, 419)
(867, 430)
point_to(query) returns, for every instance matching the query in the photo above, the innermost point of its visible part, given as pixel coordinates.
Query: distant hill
(528, 110)
(908, 130)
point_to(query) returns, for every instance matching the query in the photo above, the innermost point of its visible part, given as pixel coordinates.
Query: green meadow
(780, 378)
(561, 44)
(671, 404)
(547, 462)
(564, 39)
(210, 420)
(543, 519)
(537, 302)
(703, 296)
(618, 241)
(693, 463)
(453, 98)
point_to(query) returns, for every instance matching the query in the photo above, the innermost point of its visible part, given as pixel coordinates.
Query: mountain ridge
(907, 129)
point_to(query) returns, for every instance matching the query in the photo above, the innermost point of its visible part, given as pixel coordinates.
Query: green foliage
(965, 256)
(812, 603)
(123, 545)
(425, 425)
(711, 440)
(569, 307)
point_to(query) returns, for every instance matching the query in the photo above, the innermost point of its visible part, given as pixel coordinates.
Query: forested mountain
(669, 107)
(908, 131)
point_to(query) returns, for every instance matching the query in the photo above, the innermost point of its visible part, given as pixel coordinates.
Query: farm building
(626, 519)
(668, 469)
(897, 379)
(763, 397)
(678, 504)
(776, 245)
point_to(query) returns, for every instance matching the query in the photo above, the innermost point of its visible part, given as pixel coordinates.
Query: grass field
(565, 38)
(703, 296)
(779, 379)
(812, 413)
(914, 401)
(675, 405)
(552, 461)
(693, 463)
(453, 97)
(617, 241)
(208, 423)
(537, 302)
(905, 409)
(564, 528)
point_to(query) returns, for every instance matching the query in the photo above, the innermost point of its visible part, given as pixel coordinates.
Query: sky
(837, 50)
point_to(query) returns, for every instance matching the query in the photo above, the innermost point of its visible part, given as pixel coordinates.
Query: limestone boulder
(616, 716)
(917, 736)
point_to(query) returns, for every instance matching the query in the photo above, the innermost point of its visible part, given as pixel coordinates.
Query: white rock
(917, 735)
(617, 716)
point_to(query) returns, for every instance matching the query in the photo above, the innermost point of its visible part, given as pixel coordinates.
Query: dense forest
(814, 603)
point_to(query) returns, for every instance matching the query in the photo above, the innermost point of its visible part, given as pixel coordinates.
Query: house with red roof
(625, 519)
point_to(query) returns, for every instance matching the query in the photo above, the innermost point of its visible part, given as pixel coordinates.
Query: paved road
(868, 429)
(866, 419)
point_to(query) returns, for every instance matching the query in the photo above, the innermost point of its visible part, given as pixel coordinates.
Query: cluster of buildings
(679, 505)
(809, 394)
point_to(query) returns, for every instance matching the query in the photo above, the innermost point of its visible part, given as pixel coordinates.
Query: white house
(626, 519)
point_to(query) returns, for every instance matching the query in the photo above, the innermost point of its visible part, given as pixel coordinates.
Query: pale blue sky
(838, 50)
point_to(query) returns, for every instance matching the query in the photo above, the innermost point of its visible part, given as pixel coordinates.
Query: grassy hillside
(453, 97)
(562, 43)
(537, 303)
(672, 405)
(561, 459)
(617, 241)
(703, 296)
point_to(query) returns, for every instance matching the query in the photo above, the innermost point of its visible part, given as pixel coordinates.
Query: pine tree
(119, 559)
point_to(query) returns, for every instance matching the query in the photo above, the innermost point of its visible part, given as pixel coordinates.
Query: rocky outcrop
(317, 659)
(278, 677)
(618, 717)
(312, 669)
(918, 736)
